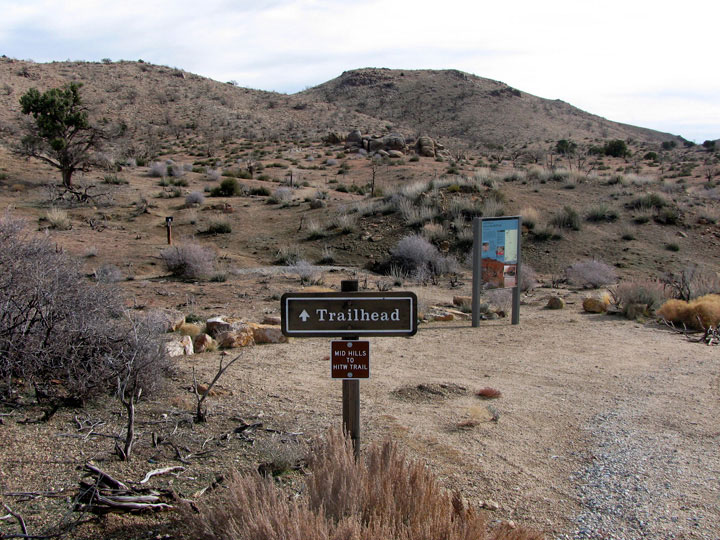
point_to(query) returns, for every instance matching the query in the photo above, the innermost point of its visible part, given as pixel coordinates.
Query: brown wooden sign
(338, 314)
(350, 359)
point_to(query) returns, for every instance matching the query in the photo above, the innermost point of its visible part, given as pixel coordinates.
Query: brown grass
(382, 496)
(700, 314)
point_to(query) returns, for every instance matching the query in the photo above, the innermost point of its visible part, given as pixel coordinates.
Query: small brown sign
(350, 359)
(342, 314)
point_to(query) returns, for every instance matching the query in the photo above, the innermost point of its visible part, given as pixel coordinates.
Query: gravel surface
(647, 479)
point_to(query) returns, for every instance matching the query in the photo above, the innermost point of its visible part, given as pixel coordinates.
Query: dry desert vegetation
(128, 410)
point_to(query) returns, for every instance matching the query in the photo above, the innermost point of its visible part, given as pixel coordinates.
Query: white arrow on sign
(304, 316)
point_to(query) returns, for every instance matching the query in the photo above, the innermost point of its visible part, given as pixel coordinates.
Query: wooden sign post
(168, 225)
(349, 314)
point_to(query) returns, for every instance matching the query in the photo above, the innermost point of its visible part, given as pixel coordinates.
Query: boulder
(555, 302)
(594, 305)
(373, 145)
(271, 319)
(395, 154)
(333, 138)
(267, 333)
(203, 342)
(354, 138)
(236, 338)
(394, 141)
(425, 146)
(174, 348)
(187, 345)
(216, 325)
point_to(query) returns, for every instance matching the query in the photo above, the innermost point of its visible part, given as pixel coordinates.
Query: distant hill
(149, 104)
(457, 105)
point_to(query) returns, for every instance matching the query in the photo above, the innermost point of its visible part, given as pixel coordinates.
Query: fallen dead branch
(108, 495)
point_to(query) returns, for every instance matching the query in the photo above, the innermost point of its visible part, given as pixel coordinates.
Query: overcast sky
(648, 63)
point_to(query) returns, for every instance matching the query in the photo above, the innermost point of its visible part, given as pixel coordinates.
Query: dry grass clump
(629, 295)
(58, 219)
(699, 314)
(189, 261)
(383, 496)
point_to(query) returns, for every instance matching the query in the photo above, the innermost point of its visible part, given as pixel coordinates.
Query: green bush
(601, 212)
(649, 201)
(616, 148)
(229, 187)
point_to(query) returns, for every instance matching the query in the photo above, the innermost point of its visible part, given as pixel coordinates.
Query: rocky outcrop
(267, 333)
(203, 342)
(236, 338)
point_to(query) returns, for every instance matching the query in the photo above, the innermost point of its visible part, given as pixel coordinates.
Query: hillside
(480, 112)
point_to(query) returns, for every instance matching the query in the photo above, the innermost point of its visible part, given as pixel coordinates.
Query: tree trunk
(130, 435)
(67, 177)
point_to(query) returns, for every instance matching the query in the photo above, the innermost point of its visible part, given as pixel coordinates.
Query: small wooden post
(168, 225)
(351, 389)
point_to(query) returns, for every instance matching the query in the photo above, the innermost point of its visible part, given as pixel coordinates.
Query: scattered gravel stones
(642, 484)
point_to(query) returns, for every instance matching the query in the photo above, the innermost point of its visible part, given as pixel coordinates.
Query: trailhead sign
(343, 314)
(350, 359)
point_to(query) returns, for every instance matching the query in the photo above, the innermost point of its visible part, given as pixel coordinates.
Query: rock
(174, 348)
(267, 333)
(271, 319)
(491, 505)
(187, 345)
(203, 342)
(333, 138)
(373, 145)
(394, 141)
(317, 203)
(236, 338)
(555, 302)
(169, 319)
(216, 325)
(395, 154)
(594, 305)
(459, 314)
(462, 300)
(425, 146)
(443, 317)
(354, 138)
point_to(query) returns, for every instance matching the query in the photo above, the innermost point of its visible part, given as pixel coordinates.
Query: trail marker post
(168, 226)
(349, 314)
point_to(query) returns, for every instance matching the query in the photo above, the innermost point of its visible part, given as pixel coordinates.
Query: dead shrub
(692, 282)
(55, 325)
(189, 261)
(590, 274)
(385, 495)
(649, 293)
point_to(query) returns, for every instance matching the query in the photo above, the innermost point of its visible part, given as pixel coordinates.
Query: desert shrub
(648, 202)
(327, 256)
(57, 218)
(692, 282)
(114, 179)
(601, 212)
(672, 246)
(281, 195)
(229, 187)
(567, 218)
(528, 278)
(616, 148)
(287, 255)
(649, 294)
(196, 197)
(415, 256)
(219, 226)
(315, 231)
(260, 191)
(669, 215)
(500, 298)
(344, 223)
(590, 274)
(108, 273)
(189, 261)
(545, 233)
(642, 219)
(382, 496)
(157, 169)
(306, 272)
(213, 174)
(65, 335)
(530, 217)
(492, 207)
